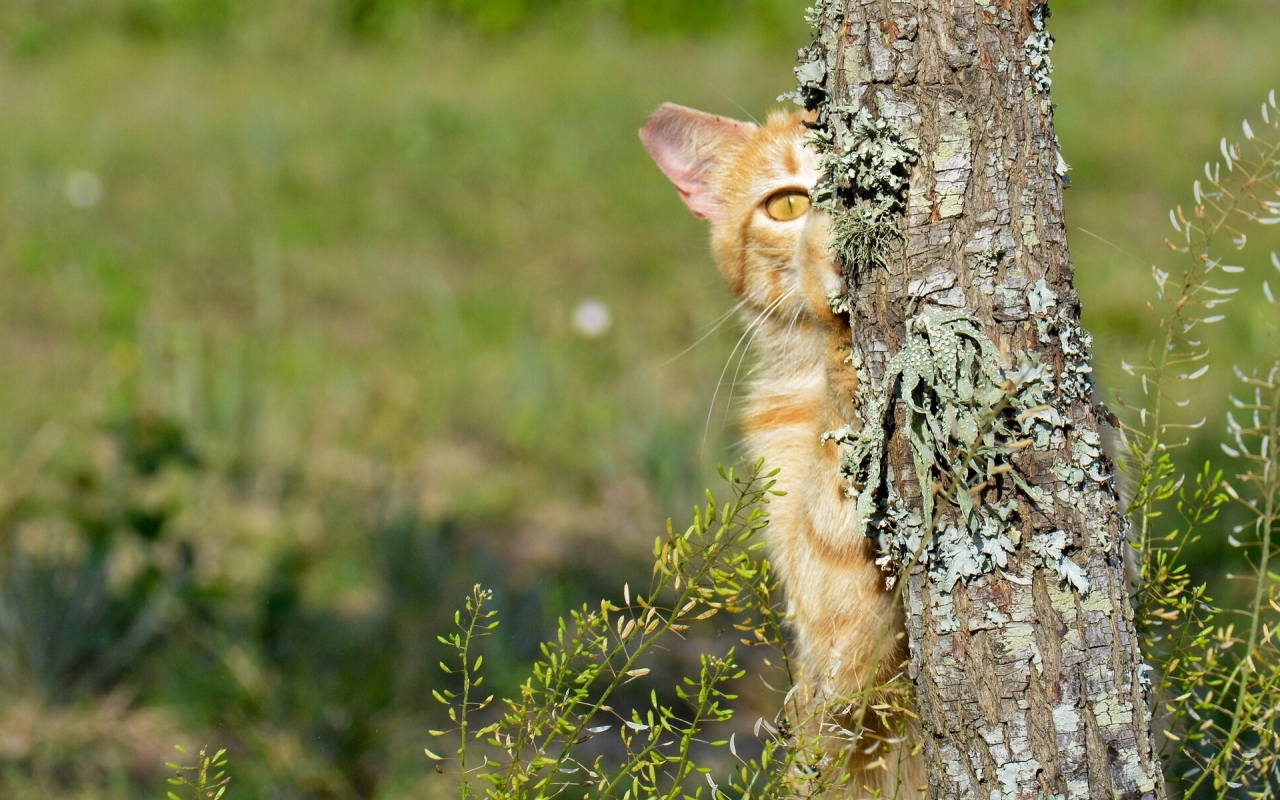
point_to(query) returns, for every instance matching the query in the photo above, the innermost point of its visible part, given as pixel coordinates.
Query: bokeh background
(313, 313)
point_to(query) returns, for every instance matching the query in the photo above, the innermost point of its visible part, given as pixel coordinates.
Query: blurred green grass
(310, 354)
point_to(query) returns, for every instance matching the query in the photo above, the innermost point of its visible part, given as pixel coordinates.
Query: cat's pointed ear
(686, 145)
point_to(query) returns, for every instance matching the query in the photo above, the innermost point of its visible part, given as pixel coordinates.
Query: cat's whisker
(786, 336)
(1112, 245)
(791, 327)
(757, 249)
(788, 342)
(709, 248)
(754, 323)
(718, 321)
(715, 326)
(734, 383)
(741, 108)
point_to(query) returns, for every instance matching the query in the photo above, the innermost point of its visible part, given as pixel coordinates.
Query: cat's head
(752, 183)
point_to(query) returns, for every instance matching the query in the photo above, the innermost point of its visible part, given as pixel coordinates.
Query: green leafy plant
(1217, 667)
(566, 729)
(207, 778)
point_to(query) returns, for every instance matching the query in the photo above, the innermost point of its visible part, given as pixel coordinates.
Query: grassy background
(305, 370)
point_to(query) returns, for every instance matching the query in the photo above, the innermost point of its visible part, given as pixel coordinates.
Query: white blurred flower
(592, 318)
(83, 189)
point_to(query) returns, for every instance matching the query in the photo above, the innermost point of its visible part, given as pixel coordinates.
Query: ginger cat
(751, 183)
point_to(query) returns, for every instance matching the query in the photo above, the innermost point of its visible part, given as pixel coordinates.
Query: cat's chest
(785, 419)
(804, 387)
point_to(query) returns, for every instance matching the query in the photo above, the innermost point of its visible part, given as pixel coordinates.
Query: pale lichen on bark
(965, 417)
(979, 466)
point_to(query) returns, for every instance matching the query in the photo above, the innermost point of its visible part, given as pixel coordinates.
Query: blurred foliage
(33, 24)
(288, 314)
(102, 595)
(1215, 686)
(36, 23)
(551, 736)
(654, 16)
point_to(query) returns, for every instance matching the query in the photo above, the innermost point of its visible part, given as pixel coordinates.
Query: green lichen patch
(1037, 47)
(986, 262)
(862, 237)
(1054, 321)
(1086, 450)
(865, 163)
(811, 75)
(811, 72)
(1050, 547)
(839, 303)
(965, 416)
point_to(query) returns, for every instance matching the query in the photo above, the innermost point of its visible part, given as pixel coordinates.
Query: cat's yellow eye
(787, 205)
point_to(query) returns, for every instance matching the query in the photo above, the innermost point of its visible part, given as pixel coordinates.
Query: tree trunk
(978, 467)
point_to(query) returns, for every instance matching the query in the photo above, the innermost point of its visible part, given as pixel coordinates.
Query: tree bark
(979, 467)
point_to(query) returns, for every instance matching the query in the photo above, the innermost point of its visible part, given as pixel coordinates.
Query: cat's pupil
(787, 205)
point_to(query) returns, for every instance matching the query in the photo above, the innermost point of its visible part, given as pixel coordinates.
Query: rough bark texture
(1028, 672)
